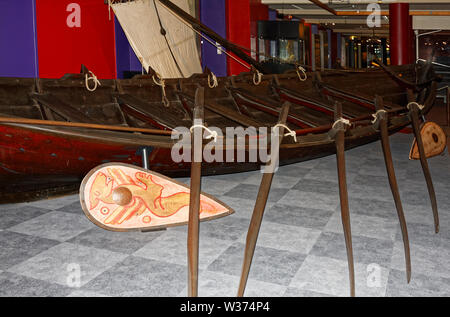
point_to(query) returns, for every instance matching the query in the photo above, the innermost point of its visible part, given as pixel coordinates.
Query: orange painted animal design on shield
(122, 197)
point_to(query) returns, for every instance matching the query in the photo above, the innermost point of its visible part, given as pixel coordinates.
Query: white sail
(178, 56)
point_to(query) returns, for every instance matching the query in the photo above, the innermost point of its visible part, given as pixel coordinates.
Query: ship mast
(200, 27)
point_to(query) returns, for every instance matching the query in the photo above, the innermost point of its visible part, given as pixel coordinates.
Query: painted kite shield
(121, 197)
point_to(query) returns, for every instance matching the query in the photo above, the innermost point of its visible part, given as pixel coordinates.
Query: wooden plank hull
(49, 165)
(40, 160)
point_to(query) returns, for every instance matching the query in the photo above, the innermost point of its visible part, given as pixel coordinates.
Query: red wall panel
(334, 49)
(400, 30)
(238, 30)
(258, 12)
(75, 32)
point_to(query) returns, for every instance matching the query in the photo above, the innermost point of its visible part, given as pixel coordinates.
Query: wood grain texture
(343, 194)
(414, 114)
(383, 127)
(194, 204)
(260, 205)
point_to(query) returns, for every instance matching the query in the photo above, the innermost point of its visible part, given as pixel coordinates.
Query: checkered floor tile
(49, 248)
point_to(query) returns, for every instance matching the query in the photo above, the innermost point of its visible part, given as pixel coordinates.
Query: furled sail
(172, 55)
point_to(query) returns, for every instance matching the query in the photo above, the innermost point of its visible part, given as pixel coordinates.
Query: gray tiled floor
(300, 252)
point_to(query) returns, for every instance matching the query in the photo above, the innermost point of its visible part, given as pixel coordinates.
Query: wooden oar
(81, 125)
(338, 132)
(402, 82)
(194, 203)
(383, 126)
(260, 205)
(241, 96)
(414, 114)
(353, 120)
(227, 112)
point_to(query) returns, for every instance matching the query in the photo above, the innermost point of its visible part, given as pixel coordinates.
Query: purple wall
(18, 53)
(339, 44)
(272, 15)
(126, 59)
(213, 14)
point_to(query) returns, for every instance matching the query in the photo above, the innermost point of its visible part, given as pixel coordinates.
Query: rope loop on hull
(379, 114)
(162, 83)
(88, 77)
(342, 122)
(420, 107)
(290, 133)
(301, 73)
(212, 81)
(257, 77)
(212, 134)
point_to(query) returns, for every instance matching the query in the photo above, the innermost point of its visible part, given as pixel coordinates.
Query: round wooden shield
(434, 141)
(121, 197)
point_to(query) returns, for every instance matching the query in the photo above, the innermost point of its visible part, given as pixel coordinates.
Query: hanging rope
(290, 133)
(91, 76)
(342, 121)
(162, 83)
(109, 9)
(415, 103)
(378, 115)
(214, 82)
(212, 134)
(301, 73)
(257, 77)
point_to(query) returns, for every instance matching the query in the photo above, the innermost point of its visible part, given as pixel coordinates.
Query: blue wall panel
(125, 57)
(213, 14)
(272, 15)
(18, 53)
(339, 45)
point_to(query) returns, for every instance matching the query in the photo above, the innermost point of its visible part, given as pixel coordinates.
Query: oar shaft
(345, 212)
(423, 161)
(194, 202)
(383, 126)
(343, 194)
(81, 125)
(260, 205)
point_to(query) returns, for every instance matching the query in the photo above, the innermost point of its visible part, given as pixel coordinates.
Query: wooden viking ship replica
(55, 131)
